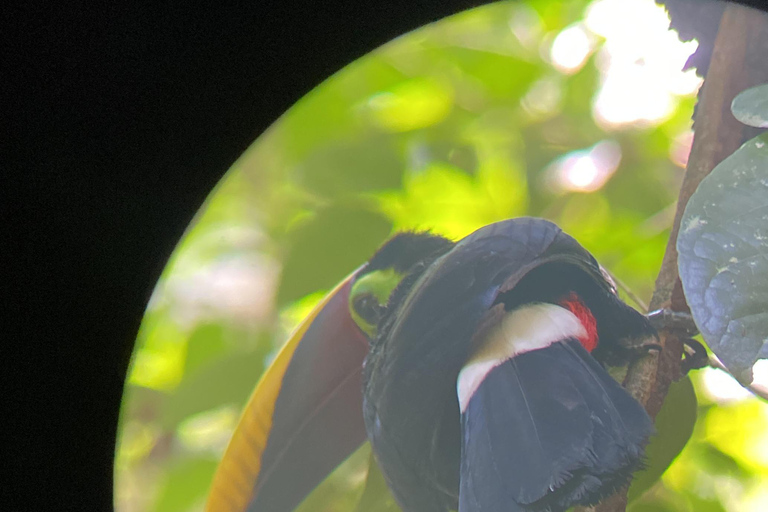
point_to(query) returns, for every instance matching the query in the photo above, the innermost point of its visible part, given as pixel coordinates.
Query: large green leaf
(723, 263)
(751, 106)
(674, 426)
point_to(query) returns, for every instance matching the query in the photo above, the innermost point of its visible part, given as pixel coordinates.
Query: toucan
(478, 370)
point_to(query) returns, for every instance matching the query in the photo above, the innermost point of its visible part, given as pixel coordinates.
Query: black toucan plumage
(483, 380)
(541, 425)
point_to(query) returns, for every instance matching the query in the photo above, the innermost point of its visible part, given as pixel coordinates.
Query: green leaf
(412, 104)
(350, 166)
(186, 485)
(376, 496)
(652, 506)
(674, 426)
(329, 246)
(723, 262)
(751, 106)
(502, 76)
(446, 200)
(207, 342)
(718, 462)
(228, 380)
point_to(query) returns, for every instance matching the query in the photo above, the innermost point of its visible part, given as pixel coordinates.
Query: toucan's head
(380, 358)
(399, 258)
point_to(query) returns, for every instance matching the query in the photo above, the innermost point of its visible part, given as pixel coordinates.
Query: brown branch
(742, 31)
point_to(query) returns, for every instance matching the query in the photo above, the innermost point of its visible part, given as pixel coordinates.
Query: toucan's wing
(303, 419)
(546, 427)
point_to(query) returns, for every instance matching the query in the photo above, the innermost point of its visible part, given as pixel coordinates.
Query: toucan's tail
(546, 430)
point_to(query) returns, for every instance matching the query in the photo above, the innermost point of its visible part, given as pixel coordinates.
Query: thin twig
(629, 293)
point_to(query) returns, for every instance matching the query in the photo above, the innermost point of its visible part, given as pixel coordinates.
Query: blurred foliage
(459, 124)
(674, 425)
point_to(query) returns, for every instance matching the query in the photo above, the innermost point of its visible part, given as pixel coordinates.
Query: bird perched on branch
(476, 369)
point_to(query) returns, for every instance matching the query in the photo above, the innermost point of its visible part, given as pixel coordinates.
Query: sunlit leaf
(206, 343)
(705, 505)
(723, 263)
(294, 313)
(751, 106)
(738, 430)
(657, 505)
(136, 440)
(502, 76)
(718, 462)
(159, 360)
(209, 430)
(185, 485)
(417, 103)
(449, 201)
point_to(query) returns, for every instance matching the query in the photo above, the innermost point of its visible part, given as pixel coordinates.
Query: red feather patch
(574, 304)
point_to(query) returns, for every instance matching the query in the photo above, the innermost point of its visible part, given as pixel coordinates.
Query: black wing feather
(541, 433)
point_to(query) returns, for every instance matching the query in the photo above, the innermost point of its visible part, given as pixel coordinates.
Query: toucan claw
(682, 323)
(694, 356)
(637, 347)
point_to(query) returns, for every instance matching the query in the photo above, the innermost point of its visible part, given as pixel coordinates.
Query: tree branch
(717, 135)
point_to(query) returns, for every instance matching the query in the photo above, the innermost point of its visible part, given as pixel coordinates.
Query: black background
(118, 122)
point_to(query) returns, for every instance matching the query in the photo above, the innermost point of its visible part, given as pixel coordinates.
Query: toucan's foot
(630, 349)
(673, 320)
(639, 347)
(694, 356)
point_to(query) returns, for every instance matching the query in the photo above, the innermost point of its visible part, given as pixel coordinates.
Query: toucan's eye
(368, 298)
(368, 310)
